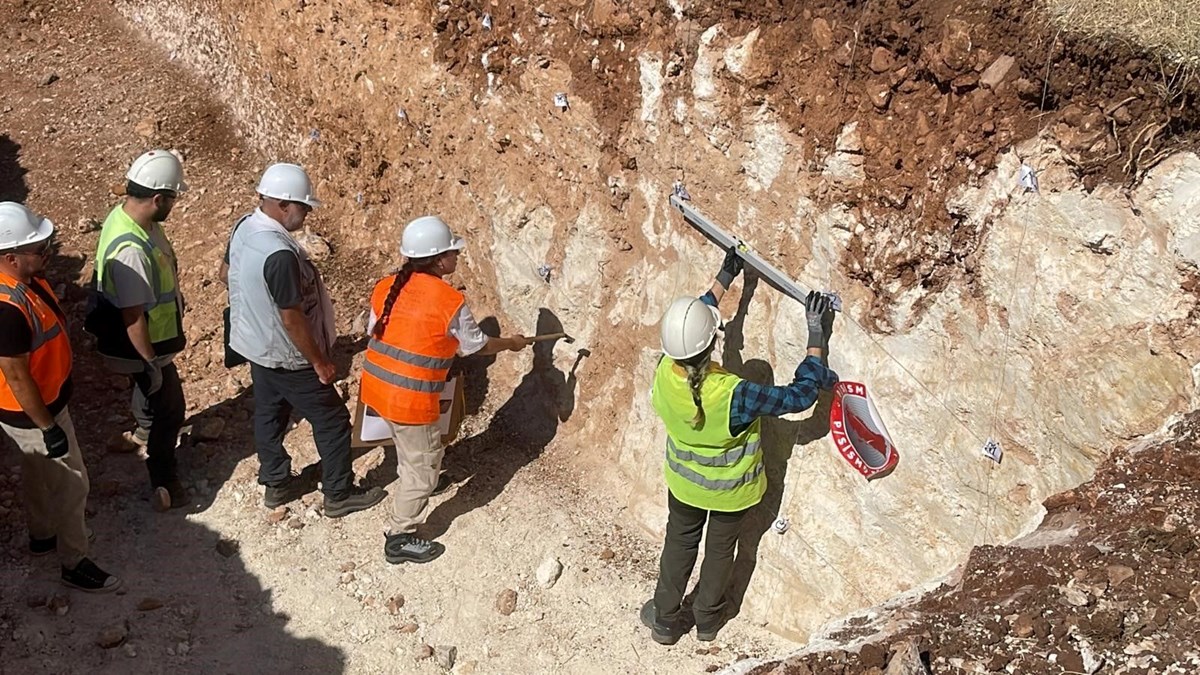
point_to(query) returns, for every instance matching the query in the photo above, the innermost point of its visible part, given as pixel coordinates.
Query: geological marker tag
(560, 100)
(1029, 179)
(992, 450)
(780, 525)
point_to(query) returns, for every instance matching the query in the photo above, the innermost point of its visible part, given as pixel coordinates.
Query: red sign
(858, 431)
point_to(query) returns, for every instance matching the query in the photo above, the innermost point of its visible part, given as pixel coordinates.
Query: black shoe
(357, 499)
(291, 489)
(41, 547)
(708, 634)
(663, 635)
(444, 483)
(87, 577)
(402, 548)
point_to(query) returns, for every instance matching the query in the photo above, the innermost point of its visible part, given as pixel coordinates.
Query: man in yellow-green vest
(138, 313)
(713, 467)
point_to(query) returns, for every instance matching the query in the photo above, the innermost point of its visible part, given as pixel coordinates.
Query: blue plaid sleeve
(752, 400)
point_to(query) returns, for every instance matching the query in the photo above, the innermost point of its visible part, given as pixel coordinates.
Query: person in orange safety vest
(419, 324)
(35, 387)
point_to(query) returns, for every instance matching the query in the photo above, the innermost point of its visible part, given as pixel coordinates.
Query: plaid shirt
(752, 400)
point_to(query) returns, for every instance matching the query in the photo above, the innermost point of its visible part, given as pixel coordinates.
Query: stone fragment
(59, 604)
(346, 578)
(112, 636)
(295, 522)
(130, 651)
(506, 602)
(446, 655)
(423, 652)
(394, 604)
(995, 73)
(210, 429)
(227, 547)
(1070, 660)
(1076, 597)
(407, 628)
(1022, 627)
(607, 554)
(348, 566)
(48, 79)
(316, 246)
(549, 572)
(872, 656)
(906, 660)
(149, 604)
(882, 60)
(822, 34)
(880, 95)
(277, 515)
(147, 128)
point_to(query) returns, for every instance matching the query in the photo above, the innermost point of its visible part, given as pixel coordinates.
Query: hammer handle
(547, 336)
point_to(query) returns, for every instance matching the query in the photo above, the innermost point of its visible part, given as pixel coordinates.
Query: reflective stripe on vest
(710, 484)
(161, 297)
(727, 458)
(402, 381)
(408, 357)
(40, 335)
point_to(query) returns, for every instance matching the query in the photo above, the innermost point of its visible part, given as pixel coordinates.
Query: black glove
(56, 441)
(815, 307)
(730, 268)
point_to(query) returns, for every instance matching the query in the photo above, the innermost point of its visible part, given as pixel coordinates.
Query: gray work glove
(155, 372)
(816, 305)
(730, 268)
(55, 439)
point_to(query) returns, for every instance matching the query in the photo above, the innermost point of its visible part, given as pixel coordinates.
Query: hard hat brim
(44, 231)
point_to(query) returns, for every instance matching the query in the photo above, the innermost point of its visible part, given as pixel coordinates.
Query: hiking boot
(709, 633)
(289, 490)
(356, 499)
(663, 635)
(89, 578)
(402, 548)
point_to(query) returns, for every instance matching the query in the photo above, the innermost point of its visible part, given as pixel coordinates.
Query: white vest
(255, 327)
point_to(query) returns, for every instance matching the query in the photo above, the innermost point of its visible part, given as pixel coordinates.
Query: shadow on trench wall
(780, 437)
(181, 586)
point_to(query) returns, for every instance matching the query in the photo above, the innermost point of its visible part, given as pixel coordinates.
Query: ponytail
(401, 278)
(696, 369)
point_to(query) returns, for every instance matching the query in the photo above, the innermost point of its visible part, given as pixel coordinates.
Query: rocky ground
(1106, 584)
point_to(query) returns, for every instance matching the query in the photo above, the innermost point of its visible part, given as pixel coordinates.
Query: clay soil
(1108, 583)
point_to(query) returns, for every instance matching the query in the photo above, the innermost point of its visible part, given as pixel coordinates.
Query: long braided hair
(696, 368)
(410, 267)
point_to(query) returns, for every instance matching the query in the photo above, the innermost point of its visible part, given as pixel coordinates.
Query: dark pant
(685, 525)
(277, 392)
(161, 413)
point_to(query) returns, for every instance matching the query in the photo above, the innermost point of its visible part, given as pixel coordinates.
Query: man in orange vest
(419, 323)
(35, 385)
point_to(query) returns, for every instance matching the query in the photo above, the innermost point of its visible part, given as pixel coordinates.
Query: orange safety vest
(406, 367)
(50, 353)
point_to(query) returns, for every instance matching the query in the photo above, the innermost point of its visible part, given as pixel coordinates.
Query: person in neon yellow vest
(713, 467)
(138, 313)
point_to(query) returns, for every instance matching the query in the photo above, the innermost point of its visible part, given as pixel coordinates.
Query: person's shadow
(780, 439)
(518, 433)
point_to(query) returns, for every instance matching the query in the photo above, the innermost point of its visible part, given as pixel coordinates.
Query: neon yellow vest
(707, 467)
(120, 232)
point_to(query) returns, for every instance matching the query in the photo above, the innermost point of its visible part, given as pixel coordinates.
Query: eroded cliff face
(1056, 322)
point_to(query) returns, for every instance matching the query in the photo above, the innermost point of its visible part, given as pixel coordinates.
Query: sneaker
(663, 635)
(356, 499)
(402, 548)
(291, 489)
(89, 578)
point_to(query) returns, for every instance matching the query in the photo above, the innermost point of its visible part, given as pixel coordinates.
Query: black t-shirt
(16, 338)
(282, 273)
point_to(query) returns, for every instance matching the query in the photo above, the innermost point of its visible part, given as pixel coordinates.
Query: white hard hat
(289, 183)
(428, 236)
(20, 226)
(158, 170)
(688, 328)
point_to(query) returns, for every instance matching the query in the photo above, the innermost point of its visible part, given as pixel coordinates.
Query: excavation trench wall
(1066, 325)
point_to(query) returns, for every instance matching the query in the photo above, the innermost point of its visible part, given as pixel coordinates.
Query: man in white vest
(281, 320)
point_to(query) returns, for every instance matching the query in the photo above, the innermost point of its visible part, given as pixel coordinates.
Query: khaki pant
(419, 453)
(56, 490)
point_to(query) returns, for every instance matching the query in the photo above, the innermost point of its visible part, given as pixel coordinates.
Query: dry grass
(1170, 28)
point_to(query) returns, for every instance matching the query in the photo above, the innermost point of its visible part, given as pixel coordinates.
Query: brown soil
(909, 70)
(1111, 574)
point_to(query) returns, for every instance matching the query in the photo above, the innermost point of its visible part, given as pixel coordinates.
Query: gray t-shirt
(130, 278)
